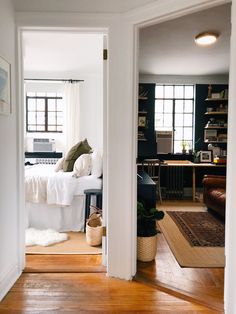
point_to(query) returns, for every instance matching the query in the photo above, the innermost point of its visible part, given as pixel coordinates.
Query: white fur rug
(43, 237)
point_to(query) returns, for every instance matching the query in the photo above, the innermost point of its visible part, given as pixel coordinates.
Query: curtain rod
(57, 80)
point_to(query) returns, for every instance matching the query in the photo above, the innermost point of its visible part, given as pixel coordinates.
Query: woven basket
(94, 229)
(146, 248)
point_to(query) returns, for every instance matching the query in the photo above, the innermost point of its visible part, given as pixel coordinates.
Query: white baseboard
(7, 279)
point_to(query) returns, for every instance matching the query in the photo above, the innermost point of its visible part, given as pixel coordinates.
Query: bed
(56, 199)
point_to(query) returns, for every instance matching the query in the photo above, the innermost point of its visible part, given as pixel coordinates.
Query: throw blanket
(44, 185)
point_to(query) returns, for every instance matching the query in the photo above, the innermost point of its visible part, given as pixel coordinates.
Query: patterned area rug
(200, 228)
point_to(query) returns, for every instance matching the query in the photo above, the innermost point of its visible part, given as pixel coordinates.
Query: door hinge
(104, 231)
(105, 54)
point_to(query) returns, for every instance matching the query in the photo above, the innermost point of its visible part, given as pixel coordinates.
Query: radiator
(174, 183)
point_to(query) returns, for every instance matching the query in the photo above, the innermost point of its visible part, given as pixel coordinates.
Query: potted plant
(147, 232)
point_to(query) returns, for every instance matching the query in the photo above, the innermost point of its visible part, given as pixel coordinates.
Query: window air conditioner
(164, 141)
(43, 145)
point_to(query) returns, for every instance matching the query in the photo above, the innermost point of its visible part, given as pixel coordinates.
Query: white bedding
(44, 185)
(56, 199)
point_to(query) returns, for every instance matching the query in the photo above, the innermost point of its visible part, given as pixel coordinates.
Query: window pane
(59, 105)
(51, 94)
(179, 106)
(179, 119)
(179, 91)
(59, 128)
(30, 94)
(40, 94)
(177, 147)
(59, 121)
(51, 118)
(159, 91)
(51, 105)
(31, 127)
(188, 133)
(52, 128)
(179, 134)
(40, 118)
(169, 91)
(188, 119)
(188, 106)
(31, 104)
(188, 91)
(168, 120)
(159, 106)
(168, 106)
(40, 104)
(40, 128)
(159, 120)
(31, 118)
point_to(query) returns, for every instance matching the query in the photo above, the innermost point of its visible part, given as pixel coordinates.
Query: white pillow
(82, 165)
(59, 164)
(96, 164)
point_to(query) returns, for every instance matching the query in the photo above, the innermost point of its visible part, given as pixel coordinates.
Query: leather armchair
(214, 193)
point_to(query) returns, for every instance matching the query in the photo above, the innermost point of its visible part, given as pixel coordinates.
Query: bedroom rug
(43, 237)
(76, 244)
(200, 228)
(185, 254)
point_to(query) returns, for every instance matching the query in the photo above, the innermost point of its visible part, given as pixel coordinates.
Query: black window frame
(46, 111)
(174, 99)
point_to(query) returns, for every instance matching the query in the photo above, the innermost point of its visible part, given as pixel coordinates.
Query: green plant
(146, 220)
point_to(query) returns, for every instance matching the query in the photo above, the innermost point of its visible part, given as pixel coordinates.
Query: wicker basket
(94, 230)
(146, 248)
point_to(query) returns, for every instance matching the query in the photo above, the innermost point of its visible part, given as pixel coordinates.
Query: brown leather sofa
(214, 189)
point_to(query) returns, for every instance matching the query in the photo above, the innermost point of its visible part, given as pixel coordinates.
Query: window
(174, 109)
(44, 112)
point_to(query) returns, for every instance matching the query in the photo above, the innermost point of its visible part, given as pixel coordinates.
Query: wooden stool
(88, 194)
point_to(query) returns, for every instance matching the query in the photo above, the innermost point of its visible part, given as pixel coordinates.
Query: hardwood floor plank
(205, 285)
(84, 293)
(63, 263)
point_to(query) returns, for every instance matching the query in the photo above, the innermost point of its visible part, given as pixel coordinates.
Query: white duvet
(44, 185)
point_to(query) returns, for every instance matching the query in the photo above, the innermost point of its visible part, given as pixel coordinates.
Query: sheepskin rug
(43, 237)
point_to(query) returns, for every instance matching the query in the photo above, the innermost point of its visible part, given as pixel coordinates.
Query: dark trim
(56, 80)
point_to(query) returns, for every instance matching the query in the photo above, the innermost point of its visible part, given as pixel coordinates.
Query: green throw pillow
(77, 150)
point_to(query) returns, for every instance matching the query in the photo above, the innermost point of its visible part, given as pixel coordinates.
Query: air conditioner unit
(164, 141)
(43, 145)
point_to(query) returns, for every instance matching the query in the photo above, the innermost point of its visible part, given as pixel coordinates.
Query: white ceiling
(84, 6)
(169, 48)
(61, 53)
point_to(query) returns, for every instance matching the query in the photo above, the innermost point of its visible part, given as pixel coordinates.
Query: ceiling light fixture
(206, 38)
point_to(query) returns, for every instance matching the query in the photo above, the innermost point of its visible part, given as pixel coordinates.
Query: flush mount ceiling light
(206, 38)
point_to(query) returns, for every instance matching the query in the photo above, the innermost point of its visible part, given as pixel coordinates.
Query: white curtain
(72, 114)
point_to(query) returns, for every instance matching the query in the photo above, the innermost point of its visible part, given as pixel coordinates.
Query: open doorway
(63, 132)
(166, 66)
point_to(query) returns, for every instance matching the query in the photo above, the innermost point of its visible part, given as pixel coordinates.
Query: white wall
(91, 100)
(8, 161)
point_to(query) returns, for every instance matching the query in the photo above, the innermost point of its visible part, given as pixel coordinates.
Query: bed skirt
(66, 218)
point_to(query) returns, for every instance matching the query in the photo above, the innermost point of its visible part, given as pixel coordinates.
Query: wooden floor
(78, 284)
(89, 293)
(200, 284)
(64, 264)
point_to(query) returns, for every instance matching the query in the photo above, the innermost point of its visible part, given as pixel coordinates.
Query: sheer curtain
(72, 114)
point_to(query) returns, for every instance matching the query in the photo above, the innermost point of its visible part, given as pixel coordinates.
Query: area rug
(76, 244)
(43, 237)
(200, 228)
(185, 254)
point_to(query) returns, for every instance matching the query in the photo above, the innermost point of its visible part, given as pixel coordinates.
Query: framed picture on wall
(205, 156)
(142, 121)
(5, 87)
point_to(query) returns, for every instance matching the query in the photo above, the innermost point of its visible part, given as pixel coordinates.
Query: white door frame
(169, 11)
(21, 127)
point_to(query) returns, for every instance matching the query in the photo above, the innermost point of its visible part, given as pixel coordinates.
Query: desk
(187, 163)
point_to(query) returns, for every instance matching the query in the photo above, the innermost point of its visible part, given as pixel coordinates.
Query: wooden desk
(187, 163)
